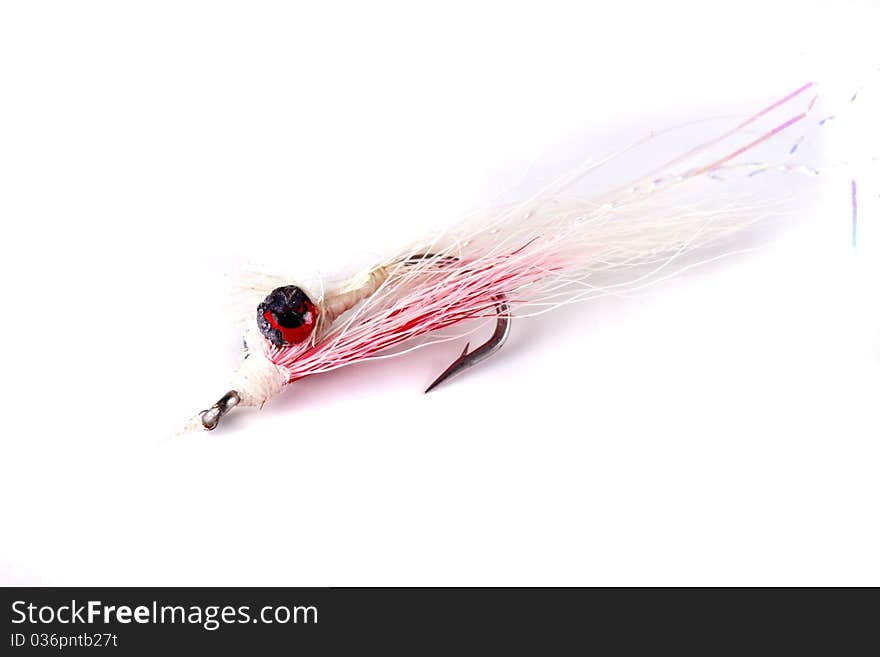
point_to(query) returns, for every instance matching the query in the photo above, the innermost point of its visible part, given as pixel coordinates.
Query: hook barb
(481, 353)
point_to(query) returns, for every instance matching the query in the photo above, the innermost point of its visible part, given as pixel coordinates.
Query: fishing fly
(523, 259)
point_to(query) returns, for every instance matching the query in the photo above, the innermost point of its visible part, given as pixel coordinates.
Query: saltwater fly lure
(523, 259)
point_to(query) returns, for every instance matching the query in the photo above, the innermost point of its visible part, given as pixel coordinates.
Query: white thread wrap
(352, 293)
(258, 379)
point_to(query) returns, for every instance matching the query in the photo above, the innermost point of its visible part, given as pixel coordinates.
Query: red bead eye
(287, 316)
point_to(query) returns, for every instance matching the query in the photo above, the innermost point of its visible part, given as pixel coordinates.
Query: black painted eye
(287, 316)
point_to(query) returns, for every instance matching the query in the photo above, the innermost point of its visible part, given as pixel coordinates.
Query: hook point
(493, 344)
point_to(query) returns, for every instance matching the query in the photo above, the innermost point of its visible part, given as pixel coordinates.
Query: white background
(722, 429)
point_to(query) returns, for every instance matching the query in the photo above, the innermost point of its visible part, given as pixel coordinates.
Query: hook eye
(211, 417)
